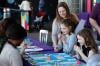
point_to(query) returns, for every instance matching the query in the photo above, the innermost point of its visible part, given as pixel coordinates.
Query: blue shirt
(70, 42)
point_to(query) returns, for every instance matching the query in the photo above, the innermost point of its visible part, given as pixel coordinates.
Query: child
(4, 24)
(10, 56)
(66, 39)
(87, 44)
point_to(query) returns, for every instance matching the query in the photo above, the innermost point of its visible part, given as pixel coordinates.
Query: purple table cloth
(41, 45)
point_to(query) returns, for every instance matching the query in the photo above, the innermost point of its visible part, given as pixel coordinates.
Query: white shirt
(10, 56)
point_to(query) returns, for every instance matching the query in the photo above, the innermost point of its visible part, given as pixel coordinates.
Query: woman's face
(81, 40)
(62, 12)
(64, 29)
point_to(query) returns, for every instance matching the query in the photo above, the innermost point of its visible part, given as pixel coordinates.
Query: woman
(62, 12)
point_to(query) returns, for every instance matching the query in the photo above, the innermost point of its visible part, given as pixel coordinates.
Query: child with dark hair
(4, 24)
(66, 39)
(10, 56)
(87, 44)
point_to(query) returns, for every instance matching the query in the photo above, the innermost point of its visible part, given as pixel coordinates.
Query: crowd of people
(64, 39)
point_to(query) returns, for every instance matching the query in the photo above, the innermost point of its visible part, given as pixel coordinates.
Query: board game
(55, 59)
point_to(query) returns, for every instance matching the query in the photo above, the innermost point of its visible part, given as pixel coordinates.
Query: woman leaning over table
(62, 12)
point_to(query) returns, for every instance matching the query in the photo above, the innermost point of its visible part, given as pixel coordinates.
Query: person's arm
(15, 59)
(54, 34)
(94, 25)
(60, 46)
(91, 53)
(94, 17)
(77, 49)
(71, 42)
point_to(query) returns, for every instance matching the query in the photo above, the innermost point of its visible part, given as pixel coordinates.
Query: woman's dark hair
(64, 5)
(16, 31)
(89, 40)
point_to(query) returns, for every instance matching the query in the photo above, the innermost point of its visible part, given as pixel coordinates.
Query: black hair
(5, 23)
(16, 31)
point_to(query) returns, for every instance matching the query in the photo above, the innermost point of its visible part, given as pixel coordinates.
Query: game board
(55, 59)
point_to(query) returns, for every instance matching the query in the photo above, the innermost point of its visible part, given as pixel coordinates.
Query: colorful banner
(25, 20)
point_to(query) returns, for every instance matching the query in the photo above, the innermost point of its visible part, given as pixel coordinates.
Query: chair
(94, 60)
(43, 37)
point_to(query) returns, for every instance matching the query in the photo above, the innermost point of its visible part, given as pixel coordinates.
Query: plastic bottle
(4, 13)
(8, 12)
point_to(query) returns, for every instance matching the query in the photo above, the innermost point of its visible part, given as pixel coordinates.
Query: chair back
(43, 37)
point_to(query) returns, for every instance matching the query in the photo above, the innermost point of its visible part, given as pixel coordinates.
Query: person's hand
(59, 36)
(77, 48)
(63, 39)
(56, 49)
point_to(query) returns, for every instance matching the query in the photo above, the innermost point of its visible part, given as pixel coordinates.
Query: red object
(41, 13)
(78, 63)
(49, 58)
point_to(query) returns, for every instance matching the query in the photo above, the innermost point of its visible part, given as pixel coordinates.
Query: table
(47, 50)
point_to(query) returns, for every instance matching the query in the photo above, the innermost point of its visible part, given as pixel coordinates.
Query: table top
(61, 59)
(47, 52)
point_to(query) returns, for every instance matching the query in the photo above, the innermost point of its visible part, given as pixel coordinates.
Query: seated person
(66, 39)
(87, 43)
(4, 24)
(10, 56)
